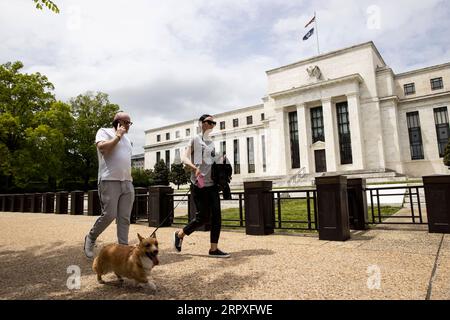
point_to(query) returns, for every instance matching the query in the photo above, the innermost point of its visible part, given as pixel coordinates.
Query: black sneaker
(218, 254)
(177, 241)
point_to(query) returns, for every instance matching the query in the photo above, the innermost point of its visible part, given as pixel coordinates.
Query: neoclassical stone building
(342, 112)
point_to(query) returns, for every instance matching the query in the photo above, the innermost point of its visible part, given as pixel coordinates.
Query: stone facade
(340, 112)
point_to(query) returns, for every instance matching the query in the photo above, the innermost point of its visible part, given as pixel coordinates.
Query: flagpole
(317, 33)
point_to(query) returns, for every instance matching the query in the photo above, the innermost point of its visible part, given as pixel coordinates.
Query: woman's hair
(203, 117)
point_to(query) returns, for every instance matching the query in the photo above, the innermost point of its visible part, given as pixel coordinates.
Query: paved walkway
(37, 250)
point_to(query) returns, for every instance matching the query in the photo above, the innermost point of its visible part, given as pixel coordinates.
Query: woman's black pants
(207, 203)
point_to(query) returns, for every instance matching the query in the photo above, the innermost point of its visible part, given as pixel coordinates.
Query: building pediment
(352, 79)
(318, 145)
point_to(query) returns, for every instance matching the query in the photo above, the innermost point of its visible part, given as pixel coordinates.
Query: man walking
(115, 187)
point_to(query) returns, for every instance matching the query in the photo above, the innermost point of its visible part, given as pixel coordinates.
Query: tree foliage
(24, 99)
(178, 175)
(447, 155)
(142, 178)
(161, 173)
(47, 3)
(44, 141)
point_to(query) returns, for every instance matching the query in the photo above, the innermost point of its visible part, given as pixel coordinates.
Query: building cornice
(423, 70)
(426, 97)
(327, 55)
(193, 122)
(293, 91)
(168, 144)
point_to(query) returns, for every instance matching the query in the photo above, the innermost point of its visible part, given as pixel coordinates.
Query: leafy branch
(49, 4)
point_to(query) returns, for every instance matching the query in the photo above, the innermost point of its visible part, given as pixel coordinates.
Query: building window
(437, 84)
(167, 136)
(317, 125)
(237, 161)
(263, 145)
(177, 156)
(177, 134)
(263, 117)
(158, 156)
(410, 88)
(222, 125)
(223, 148)
(250, 120)
(415, 135)
(168, 159)
(293, 134)
(158, 138)
(188, 132)
(235, 123)
(345, 143)
(251, 155)
(442, 129)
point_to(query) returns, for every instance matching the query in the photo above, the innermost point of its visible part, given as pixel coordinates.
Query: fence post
(48, 202)
(2, 202)
(62, 202)
(357, 203)
(28, 202)
(36, 202)
(94, 208)
(332, 208)
(160, 206)
(18, 202)
(437, 198)
(77, 202)
(259, 212)
(139, 204)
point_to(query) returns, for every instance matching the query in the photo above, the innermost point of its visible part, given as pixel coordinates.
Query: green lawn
(291, 210)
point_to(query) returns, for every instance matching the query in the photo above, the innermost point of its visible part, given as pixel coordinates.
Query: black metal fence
(293, 209)
(383, 210)
(304, 208)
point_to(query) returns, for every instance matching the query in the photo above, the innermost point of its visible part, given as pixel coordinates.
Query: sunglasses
(210, 122)
(129, 123)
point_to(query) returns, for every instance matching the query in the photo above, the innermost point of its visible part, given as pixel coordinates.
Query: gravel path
(36, 251)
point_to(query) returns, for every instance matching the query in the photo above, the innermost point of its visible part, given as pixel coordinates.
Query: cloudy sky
(170, 61)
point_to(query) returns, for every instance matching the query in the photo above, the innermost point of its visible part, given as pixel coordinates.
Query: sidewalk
(37, 249)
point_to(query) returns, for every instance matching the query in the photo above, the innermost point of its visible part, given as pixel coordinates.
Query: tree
(49, 4)
(24, 98)
(142, 178)
(91, 112)
(178, 175)
(447, 155)
(161, 173)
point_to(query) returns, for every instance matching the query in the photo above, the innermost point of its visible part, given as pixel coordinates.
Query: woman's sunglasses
(210, 122)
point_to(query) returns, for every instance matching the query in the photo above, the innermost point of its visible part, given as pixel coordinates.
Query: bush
(447, 155)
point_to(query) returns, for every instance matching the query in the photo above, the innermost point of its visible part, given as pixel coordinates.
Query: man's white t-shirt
(116, 165)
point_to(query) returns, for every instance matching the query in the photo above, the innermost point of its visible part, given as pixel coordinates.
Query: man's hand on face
(121, 130)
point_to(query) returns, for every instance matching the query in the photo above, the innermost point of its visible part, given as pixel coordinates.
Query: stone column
(304, 138)
(279, 155)
(330, 132)
(355, 130)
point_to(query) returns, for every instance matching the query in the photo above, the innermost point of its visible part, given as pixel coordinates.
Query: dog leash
(173, 211)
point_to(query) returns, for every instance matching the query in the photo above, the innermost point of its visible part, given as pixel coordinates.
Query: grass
(294, 214)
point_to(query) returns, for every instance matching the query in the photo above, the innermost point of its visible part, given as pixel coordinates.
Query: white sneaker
(89, 247)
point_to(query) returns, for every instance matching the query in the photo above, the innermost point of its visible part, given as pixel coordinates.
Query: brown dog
(127, 261)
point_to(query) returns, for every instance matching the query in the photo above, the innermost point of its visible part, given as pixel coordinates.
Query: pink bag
(200, 181)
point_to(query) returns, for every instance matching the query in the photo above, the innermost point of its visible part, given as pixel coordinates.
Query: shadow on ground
(41, 272)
